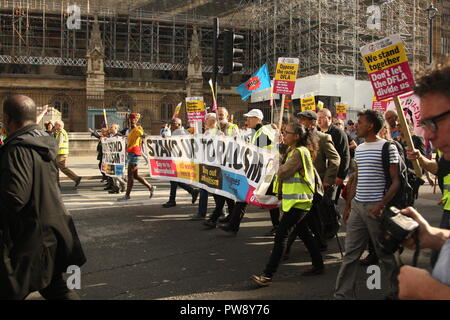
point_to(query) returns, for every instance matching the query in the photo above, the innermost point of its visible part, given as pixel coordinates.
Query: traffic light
(231, 53)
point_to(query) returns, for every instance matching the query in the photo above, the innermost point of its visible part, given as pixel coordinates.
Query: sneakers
(211, 224)
(195, 195)
(169, 204)
(196, 217)
(261, 280)
(314, 271)
(124, 198)
(77, 182)
(152, 190)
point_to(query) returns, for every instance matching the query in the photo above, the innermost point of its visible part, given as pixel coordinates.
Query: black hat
(311, 115)
(350, 122)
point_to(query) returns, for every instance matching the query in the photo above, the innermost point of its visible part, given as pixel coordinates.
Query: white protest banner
(114, 155)
(221, 165)
(411, 109)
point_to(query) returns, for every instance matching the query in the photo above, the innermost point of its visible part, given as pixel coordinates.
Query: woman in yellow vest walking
(297, 182)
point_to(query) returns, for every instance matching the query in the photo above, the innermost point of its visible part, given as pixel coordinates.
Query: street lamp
(432, 12)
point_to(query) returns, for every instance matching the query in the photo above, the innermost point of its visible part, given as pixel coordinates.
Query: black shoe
(169, 204)
(369, 261)
(195, 195)
(114, 190)
(211, 224)
(314, 271)
(272, 232)
(122, 188)
(77, 182)
(227, 228)
(224, 219)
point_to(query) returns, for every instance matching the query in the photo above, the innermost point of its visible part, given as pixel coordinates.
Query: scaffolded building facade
(327, 34)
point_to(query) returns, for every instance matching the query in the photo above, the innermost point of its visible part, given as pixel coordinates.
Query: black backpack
(405, 194)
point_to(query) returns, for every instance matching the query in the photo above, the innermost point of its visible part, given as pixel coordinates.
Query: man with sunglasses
(415, 283)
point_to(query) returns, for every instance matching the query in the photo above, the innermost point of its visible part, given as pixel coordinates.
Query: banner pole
(280, 123)
(407, 134)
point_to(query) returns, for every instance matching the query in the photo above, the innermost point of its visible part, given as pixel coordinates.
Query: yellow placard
(286, 72)
(385, 58)
(187, 170)
(341, 109)
(308, 104)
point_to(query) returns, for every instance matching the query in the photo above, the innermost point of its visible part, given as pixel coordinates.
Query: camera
(395, 230)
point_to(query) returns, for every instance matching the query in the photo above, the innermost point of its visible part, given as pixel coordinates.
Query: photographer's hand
(415, 284)
(429, 237)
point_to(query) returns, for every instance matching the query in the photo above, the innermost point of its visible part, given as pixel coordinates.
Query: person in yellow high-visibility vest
(297, 181)
(62, 145)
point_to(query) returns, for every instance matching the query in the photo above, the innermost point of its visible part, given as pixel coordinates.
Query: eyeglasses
(431, 123)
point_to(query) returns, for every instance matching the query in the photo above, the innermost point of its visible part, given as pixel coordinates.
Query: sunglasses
(431, 123)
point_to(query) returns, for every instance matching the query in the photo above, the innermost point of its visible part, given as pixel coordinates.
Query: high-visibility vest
(64, 148)
(230, 129)
(298, 191)
(269, 132)
(446, 190)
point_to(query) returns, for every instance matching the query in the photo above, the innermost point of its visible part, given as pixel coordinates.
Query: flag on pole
(177, 111)
(106, 118)
(214, 107)
(258, 81)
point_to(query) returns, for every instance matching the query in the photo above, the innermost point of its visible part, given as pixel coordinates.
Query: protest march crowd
(298, 172)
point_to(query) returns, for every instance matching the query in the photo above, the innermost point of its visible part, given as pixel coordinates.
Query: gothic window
(167, 110)
(62, 103)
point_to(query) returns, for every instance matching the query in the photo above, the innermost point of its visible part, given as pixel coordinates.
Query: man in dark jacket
(38, 240)
(340, 141)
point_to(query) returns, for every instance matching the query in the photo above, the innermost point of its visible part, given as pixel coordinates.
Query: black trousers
(220, 204)
(295, 217)
(57, 290)
(173, 189)
(237, 215)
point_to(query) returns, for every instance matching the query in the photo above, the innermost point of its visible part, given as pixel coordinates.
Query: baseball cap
(311, 115)
(254, 113)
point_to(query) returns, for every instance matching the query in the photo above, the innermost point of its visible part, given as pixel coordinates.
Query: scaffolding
(35, 32)
(326, 34)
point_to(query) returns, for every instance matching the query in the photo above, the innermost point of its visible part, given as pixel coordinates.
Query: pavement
(137, 250)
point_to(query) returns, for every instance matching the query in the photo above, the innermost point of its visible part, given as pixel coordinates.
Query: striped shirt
(371, 178)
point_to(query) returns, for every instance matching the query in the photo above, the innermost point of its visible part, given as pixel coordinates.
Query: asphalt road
(139, 250)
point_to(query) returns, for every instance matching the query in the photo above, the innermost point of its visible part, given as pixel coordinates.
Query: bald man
(39, 237)
(391, 118)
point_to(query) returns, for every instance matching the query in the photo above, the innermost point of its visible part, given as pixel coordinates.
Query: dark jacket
(37, 235)
(340, 141)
